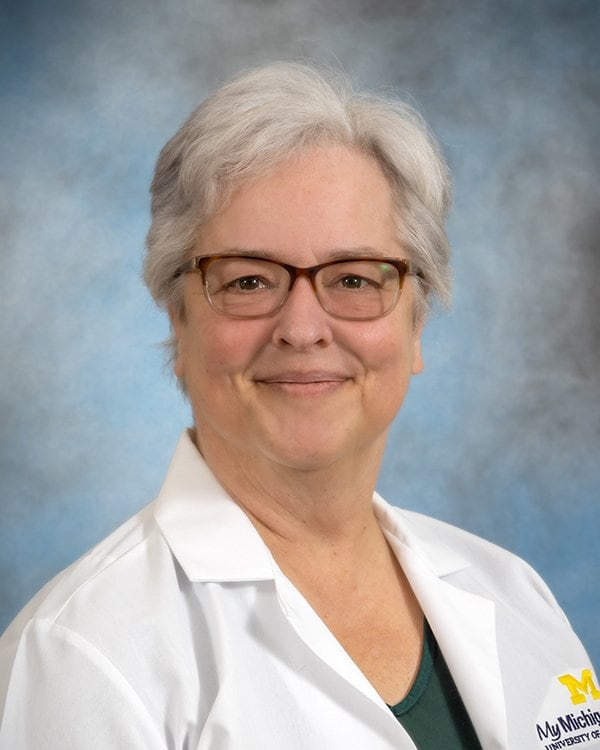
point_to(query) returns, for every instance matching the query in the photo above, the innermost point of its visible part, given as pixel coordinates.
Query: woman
(268, 598)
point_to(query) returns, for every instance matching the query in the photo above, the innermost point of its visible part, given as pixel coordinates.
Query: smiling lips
(305, 382)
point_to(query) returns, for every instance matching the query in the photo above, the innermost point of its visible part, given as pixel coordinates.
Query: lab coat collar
(435, 556)
(209, 534)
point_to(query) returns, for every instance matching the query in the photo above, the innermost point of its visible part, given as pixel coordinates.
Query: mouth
(313, 382)
(312, 376)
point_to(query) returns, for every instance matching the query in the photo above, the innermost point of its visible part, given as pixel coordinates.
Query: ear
(417, 355)
(177, 328)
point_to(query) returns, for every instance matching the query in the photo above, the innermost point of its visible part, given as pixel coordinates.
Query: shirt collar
(214, 540)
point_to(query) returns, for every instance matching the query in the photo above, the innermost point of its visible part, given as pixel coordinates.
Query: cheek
(214, 351)
(390, 360)
(389, 349)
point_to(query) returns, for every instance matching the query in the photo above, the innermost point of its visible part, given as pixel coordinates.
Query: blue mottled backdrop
(500, 434)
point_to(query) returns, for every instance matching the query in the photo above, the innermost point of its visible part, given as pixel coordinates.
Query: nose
(302, 322)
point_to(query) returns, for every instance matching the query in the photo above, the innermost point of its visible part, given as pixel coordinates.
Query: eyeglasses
(353, 289)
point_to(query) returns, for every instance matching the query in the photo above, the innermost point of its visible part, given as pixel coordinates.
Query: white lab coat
(180, 631)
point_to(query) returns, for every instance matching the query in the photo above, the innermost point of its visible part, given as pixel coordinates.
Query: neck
(322, 507)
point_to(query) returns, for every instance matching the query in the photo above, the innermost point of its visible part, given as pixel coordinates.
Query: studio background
(499, 435)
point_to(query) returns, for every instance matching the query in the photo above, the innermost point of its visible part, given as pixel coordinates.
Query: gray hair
(256, 121)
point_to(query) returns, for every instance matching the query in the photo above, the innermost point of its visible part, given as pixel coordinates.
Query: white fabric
(179, 631)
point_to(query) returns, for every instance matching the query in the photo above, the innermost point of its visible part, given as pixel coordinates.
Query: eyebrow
(361, 251)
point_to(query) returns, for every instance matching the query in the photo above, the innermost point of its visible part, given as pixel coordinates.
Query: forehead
(322, 200)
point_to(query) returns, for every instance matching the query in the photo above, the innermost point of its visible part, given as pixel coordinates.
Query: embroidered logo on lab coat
(570, 712)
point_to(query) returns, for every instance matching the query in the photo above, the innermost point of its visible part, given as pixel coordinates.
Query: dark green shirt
(433, 713)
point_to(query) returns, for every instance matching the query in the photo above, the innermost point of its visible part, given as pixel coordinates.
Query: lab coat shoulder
(61, 595)
(65, 638)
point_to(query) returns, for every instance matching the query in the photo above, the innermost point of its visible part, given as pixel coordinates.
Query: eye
(353, 282)
(246, 284)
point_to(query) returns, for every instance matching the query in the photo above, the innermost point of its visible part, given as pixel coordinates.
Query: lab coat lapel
(464, 626)
(317, 636)
(321, 641)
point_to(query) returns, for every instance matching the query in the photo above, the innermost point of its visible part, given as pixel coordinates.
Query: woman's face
(300, 388)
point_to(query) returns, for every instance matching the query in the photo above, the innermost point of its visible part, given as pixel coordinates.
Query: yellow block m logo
(580, 689)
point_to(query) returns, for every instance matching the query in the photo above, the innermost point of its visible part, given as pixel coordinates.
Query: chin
(304, 455)
(306, 464)
(319, 453)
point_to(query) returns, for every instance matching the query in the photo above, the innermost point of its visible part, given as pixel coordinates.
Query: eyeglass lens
(251, 287)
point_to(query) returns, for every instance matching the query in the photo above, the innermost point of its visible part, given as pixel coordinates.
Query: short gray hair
(252, 124)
